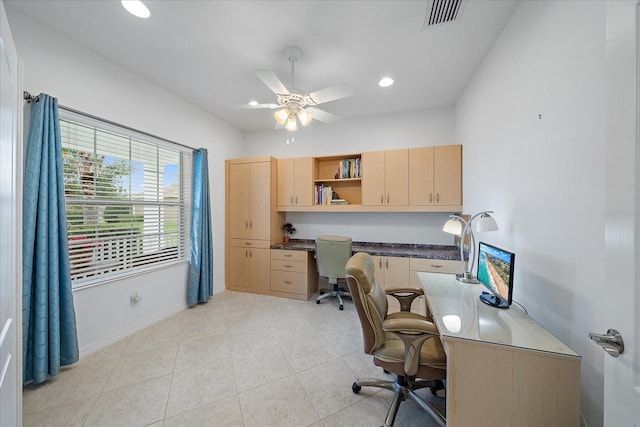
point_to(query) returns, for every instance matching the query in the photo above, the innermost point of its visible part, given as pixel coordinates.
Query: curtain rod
(30, 98)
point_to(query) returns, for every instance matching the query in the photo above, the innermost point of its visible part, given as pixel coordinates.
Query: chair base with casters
(336, 292)
(404, 387)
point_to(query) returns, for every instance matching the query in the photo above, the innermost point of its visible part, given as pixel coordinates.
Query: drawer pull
(248, 243)
(288, 255)
(437, 265)
(288, 282)
(288, 266)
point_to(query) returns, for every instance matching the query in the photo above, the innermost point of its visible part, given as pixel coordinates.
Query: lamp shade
(291, 125)
(304, 116)
(281, 116)
(453, 226)
(486, 223)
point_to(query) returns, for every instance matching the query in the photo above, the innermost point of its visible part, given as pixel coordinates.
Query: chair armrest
(405, 296)
(410, 326)
(413, 333)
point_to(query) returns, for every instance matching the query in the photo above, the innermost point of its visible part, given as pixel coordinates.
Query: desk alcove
(503, 368)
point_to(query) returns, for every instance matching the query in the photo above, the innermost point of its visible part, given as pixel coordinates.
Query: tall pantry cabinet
(252, 223)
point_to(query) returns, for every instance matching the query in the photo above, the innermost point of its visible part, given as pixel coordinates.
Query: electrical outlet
(136, 298)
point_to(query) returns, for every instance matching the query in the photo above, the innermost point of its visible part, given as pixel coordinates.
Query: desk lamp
(455, 226)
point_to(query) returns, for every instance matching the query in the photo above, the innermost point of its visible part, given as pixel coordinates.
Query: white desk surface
(459, 314)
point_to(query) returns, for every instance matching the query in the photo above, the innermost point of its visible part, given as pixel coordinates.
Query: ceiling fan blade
(330, 94)
(272, 81)
(323, 116)
(257, 106)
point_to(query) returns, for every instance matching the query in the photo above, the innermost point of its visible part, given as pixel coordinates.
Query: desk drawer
(435, 265)
(289, 255)
(289, 281)
(297, 266)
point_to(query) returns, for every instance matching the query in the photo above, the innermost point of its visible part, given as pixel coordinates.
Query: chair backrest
(369, 298)
(332, 253)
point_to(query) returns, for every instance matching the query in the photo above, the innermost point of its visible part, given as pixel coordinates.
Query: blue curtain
(49, 338)
(200, 283)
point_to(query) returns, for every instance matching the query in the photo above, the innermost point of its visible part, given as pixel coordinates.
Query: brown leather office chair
(404, 344)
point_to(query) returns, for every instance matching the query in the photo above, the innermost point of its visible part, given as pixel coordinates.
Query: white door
(10, 259)
(622, 374)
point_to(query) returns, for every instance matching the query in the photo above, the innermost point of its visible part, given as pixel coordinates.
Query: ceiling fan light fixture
(281, 116)
(136, 8)
(291, 125)
(253, 103)
(304, 116)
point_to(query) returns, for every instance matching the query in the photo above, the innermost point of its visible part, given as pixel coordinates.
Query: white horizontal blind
(128, 201)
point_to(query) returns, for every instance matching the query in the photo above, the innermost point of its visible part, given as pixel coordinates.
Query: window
(128, 199)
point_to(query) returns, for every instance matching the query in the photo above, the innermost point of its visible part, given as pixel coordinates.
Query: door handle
(611, 342)
(386, 262)
(437, 197)
(430, 197)
(296, 200)
(387, 198)
(382, 199)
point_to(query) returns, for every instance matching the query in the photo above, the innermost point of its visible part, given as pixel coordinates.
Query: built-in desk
(503, 368)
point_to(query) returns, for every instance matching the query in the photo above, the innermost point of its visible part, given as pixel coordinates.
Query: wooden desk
(503, 368)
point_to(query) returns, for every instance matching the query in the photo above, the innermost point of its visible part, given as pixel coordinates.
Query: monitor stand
(492, 300)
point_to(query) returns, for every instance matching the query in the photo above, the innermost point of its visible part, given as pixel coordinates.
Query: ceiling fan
(293, 105)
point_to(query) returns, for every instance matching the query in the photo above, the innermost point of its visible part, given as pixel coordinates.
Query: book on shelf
(323, 194)
(339, 202)
(349, 168)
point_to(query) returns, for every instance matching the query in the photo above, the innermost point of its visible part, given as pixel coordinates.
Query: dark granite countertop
(449, 252)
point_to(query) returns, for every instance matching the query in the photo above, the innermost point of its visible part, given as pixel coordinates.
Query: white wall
(545, 178)
(84, 81)
(429, 127)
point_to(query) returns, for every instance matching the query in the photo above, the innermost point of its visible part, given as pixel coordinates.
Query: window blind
(128, 201)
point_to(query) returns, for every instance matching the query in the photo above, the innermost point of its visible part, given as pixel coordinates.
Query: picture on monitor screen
(495, 272)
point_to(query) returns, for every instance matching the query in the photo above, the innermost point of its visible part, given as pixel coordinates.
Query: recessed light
(385, 82)
(253, 102)
(136, 8)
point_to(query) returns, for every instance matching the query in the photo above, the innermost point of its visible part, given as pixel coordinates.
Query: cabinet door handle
(437, 197)
(382, 199)
(246, 223)
(296, 200)
(380, 262)
(387, 263)
(430, 197)
(288, 282)
(250, 223)
(291, 200)
(246, 253)
(250, 253)
(387, 198)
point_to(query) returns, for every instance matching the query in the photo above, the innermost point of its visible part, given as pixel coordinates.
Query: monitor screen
(495, 272)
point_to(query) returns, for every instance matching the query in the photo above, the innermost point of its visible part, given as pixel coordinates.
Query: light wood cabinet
(249, 267)
(385, 178)
(295, 187)
(435, 176)
(249, 200)
(252, 223)
(393, 272)
(293, 274)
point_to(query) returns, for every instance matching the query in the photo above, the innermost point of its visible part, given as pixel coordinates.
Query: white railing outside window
(128, 200)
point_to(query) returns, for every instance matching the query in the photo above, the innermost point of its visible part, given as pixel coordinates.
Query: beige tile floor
(239, 360)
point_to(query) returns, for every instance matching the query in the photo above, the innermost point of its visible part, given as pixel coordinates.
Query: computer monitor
(495, 272)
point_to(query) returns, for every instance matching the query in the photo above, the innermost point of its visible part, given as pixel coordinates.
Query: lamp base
(467, 278)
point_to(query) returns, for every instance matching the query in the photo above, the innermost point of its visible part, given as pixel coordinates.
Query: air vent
(441, 11)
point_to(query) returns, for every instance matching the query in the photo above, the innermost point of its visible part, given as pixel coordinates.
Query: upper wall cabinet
(435, 176)
(385, 178)
(295, 182)
(250, 208)
(425, 179)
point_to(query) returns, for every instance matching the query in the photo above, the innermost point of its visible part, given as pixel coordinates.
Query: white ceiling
(206, 51)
